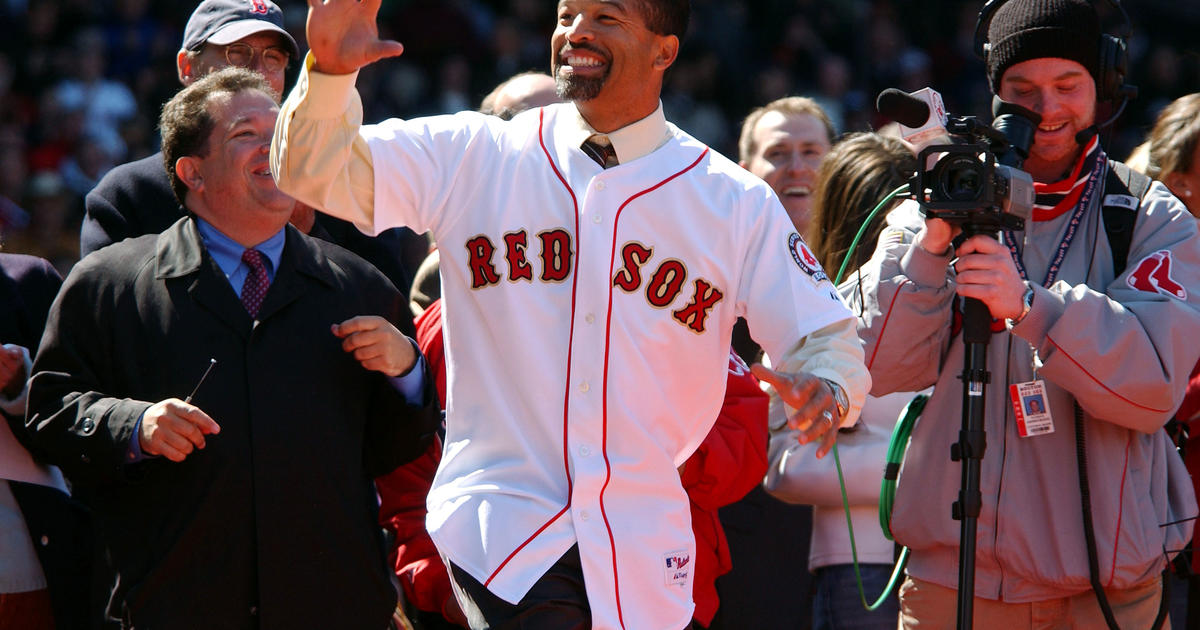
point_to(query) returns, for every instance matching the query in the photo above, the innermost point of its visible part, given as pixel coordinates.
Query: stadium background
(81, 81)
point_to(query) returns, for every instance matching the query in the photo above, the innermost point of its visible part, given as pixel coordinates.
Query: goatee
(571, 87)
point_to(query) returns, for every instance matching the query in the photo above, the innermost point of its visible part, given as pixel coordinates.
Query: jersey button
(583, 387)
(584, 515)
(589, 318)
(585, 451)
(596, 218)
(599, 185)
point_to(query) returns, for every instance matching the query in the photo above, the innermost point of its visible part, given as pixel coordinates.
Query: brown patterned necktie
(599, 148)
(255, 287)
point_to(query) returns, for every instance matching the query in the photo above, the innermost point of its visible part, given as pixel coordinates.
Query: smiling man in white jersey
(594, 259)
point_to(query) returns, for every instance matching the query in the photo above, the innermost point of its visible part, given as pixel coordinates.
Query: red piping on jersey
(1097, 381)
(612, 258)
(885, 323)
(570, 345)
(1120, 512)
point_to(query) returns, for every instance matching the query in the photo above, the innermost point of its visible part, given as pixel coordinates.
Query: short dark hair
(667, 17)
(788, 106)
(186, 121)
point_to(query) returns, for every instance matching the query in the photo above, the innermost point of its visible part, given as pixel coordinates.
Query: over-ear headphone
(1114, 55)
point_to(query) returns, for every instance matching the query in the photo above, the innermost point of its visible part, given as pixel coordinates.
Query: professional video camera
(976, 182)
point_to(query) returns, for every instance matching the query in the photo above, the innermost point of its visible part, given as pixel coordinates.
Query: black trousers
(557, 601)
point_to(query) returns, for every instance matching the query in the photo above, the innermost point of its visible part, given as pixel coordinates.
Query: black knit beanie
(1021, 30)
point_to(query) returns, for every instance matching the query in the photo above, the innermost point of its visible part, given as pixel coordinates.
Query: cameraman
(1111, 350)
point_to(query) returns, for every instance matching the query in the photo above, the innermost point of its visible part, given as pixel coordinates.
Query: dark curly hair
(186, 122)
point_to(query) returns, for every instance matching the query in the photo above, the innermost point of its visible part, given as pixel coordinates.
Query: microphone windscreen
(902, 107)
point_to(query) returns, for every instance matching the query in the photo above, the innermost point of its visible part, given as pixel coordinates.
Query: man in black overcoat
(242, 499)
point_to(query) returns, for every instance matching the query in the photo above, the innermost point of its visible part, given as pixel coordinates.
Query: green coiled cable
(896, 447)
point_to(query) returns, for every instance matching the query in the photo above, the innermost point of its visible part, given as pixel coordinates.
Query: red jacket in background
(1189, 415)
(728, 464)
(730, 461)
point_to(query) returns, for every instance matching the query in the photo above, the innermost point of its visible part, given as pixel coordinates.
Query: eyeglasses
(274, 59)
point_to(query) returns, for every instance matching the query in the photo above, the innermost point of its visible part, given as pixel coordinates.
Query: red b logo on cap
(258, 6)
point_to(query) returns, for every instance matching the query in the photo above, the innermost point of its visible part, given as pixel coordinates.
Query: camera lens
(958, 178)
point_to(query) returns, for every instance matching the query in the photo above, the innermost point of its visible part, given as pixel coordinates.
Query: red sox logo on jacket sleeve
(805, 259)
(1153, 275)
(662, 286)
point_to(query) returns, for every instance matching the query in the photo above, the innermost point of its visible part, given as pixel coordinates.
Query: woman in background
(1172, 152)
(855, 176)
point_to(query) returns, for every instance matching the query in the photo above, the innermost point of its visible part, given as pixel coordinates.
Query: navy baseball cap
(226, 21)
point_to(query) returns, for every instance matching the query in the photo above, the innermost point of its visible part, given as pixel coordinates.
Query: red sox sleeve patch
(805, 259)
(1153, 275)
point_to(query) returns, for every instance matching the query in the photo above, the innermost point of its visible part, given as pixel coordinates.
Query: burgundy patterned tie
(255, 288)
(600, 148)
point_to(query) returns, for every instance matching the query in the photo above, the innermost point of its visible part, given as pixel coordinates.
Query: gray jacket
(1122, 348)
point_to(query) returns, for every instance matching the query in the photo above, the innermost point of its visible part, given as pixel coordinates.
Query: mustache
(569, 48)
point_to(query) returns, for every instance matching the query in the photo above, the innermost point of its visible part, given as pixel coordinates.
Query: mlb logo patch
(805, 259)
(677, 567)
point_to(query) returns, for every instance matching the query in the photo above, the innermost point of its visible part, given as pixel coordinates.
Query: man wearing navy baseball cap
(246, 33)
(135, 198)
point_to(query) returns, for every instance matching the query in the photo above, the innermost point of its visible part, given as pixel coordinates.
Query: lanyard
(1072, 227)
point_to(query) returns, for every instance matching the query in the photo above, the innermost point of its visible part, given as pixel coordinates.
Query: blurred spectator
(1171, 154)
(833, 92)
(134, 39)
(783, 143)
(105, 103)
(50, 233)
(13, 167)
(43, 584)
(856, 175)
(1173, 150)
(83, 168)
(519, 93)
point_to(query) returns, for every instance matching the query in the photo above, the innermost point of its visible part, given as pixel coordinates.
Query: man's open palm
(343, 36)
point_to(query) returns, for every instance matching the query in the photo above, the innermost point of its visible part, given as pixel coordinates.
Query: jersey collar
(631, 141)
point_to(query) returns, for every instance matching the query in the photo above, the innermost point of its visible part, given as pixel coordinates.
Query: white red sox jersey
(588, 317)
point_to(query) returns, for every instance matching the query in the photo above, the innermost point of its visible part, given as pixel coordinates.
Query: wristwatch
(839, 399)
(1027, 301)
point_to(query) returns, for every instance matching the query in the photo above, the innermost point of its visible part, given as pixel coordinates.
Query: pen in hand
(211, 363)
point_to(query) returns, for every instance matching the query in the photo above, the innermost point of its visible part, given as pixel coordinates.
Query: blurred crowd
(81, 81)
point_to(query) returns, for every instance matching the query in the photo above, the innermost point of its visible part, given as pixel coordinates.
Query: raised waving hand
(343, 35)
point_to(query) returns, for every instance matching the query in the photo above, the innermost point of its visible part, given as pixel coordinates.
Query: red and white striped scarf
(1052, 200)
